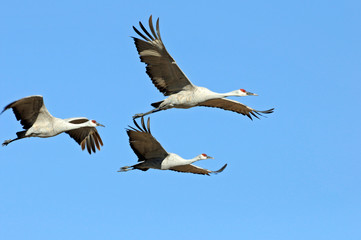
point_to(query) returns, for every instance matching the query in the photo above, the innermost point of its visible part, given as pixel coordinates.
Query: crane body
(151, 154)
(175, 85)
(38, 122)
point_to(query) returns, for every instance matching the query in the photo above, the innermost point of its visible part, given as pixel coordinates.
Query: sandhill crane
(172, 82)
(38, 122)
(152, 155)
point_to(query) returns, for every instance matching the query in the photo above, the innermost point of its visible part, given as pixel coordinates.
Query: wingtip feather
(221, 169)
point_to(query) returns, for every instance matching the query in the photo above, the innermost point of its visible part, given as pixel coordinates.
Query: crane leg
(125, 169)
(6, 142)
(20, 136)
(150, 112)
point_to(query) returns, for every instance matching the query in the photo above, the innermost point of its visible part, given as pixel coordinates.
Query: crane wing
(28, 109)
(190, 168)
(234, 106)
(144, 145)
(86, 136)
(161, 67)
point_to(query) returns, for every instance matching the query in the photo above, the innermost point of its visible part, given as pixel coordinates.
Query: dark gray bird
(38, 122)
(152, 155)
(173, 83)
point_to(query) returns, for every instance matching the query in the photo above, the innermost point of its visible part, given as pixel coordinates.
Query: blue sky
(292, 175)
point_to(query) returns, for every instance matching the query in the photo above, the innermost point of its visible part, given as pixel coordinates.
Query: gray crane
(151, 154)
(173, 83)
(38, 122)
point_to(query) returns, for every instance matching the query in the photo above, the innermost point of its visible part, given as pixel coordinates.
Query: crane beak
(209, 157)
(98, 124)
(252, 94)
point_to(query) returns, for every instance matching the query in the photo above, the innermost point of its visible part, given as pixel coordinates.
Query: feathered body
(151, 154)
(38, 122)
(173, 83)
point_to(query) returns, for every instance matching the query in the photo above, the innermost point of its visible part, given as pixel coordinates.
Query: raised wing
(144, 145)
(234, 106)
(161, 67)
(86, 136)
(28, 109)
(195, 169)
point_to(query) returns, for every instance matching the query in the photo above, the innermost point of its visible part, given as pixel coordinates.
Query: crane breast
(188, 98)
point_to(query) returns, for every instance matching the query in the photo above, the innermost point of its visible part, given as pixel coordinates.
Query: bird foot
(138, 115)
(124, 169)
(5, 143)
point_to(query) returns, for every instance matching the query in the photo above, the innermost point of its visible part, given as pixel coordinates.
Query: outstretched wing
(28, 109)
(144, 145)
(190, 168)
(87, 137)
(161, 67)
(234, 106)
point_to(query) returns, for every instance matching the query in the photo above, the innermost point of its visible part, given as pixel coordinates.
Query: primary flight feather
(173, 83)
(38, 122)
(151, 154)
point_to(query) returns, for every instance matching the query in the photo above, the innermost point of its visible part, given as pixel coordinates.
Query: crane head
(97, 124)
(204, 156)
(245, 93)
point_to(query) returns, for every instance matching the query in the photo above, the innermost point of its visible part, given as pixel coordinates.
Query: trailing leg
(139, 166)
(20, 136)
(150, 112)
(126, 168)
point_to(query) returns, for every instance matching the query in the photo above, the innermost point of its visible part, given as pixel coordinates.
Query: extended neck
(215, 95)
(66, 126)
(190, 161)
(232, 93)
(183, 161)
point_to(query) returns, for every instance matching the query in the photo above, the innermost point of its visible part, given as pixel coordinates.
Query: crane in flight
(173, 83)
(151, 154)
(38, 122)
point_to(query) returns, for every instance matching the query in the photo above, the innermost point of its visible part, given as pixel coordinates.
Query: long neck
(229, 94)
(214, 95)
(190, 161)
(175, 160)
(63, 125)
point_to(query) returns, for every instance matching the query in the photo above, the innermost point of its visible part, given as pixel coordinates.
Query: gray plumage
(173, 83)
(151, 154)
(38, 122)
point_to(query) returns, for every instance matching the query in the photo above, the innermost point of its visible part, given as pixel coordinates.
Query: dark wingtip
(145, 31)
(136, 124)
(255, 115)
(88, 146)
(99, 138)
(131, 129)
(221, 169)
(260, 113)
(157, 26)
(143, 125)
(249, 116)
(139, 33)
(148, 125)
(267, 111)
(7, 107)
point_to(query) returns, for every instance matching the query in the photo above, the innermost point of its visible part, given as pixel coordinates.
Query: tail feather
(21, 134)
(156, 104)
